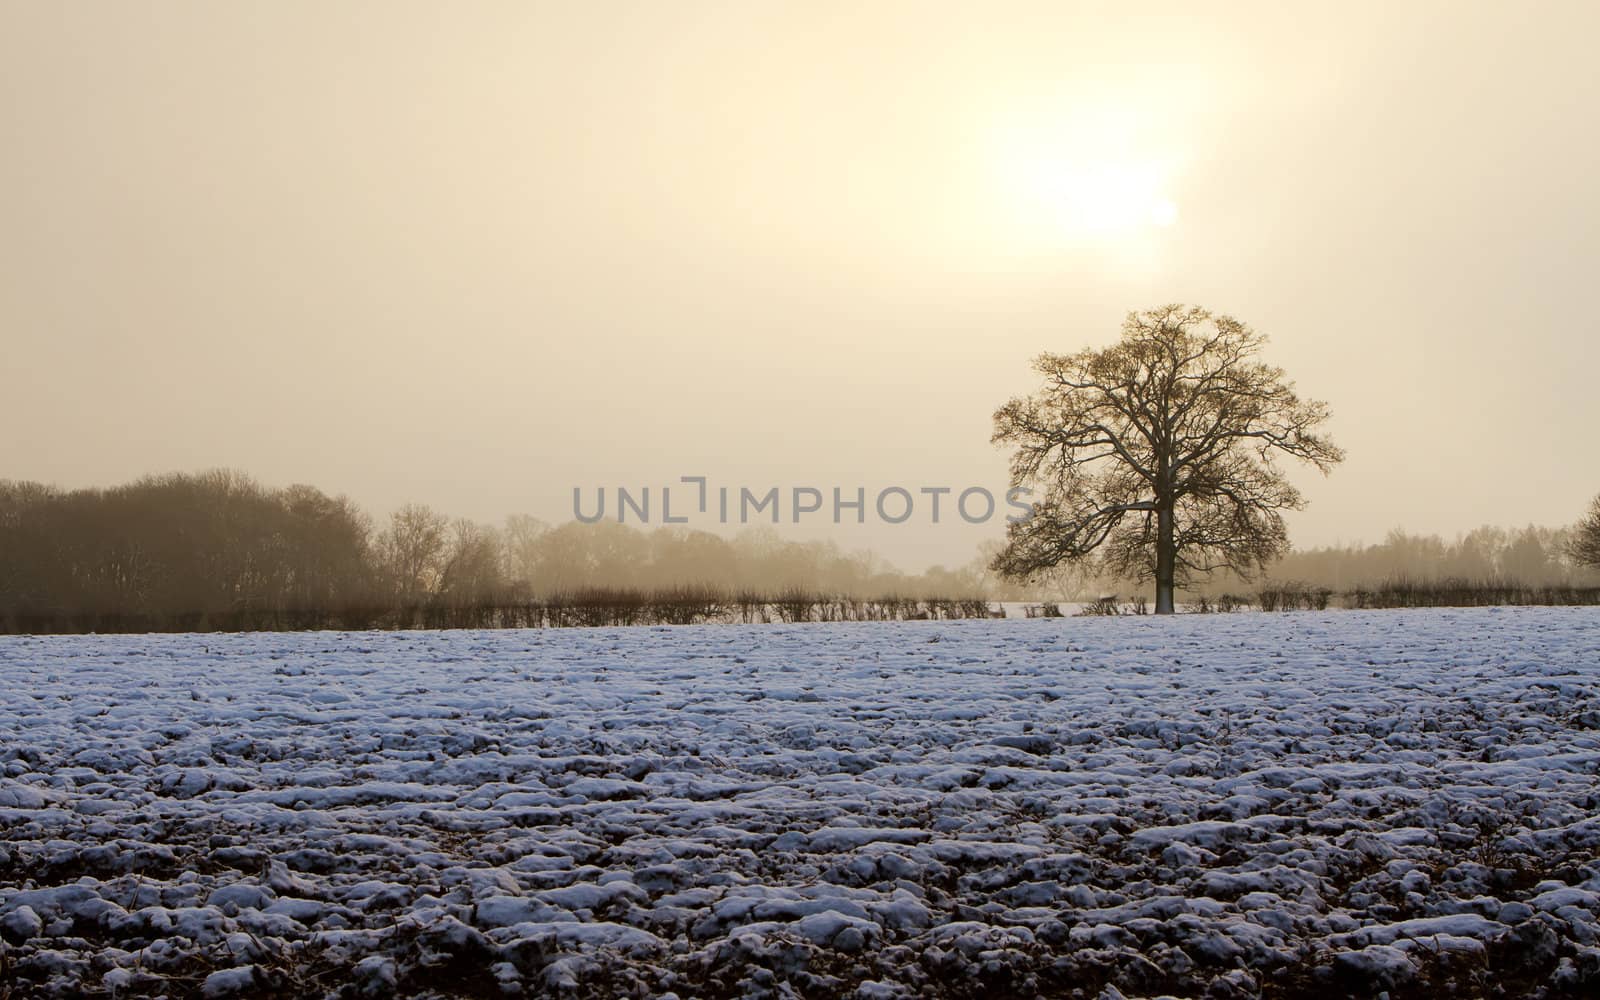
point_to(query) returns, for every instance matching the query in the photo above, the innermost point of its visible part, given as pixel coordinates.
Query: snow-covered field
(1223, 805)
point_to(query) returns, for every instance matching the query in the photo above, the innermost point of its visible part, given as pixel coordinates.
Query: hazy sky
(478, 254)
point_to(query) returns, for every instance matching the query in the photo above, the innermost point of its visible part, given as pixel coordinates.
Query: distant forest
(1530, 556)
(218, 549)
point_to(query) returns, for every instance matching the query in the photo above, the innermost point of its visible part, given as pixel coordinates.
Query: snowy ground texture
(1228, 806)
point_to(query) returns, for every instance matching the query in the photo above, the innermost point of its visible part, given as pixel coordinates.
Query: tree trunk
(1166, 561)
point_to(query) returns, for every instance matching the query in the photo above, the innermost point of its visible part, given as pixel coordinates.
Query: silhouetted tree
(328, 550)
(520, 551)
(412, 550)
(471, 569)
(1159, 453)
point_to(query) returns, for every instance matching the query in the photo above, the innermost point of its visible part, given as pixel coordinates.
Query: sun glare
(1102, 199)
(1086, 182)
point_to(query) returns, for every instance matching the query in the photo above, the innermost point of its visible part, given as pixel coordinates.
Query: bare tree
(471, 571)
(1159, 453)
(412, 550)
(1584, 545)
(520, 544)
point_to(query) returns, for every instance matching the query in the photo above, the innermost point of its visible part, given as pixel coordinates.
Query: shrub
(1106, 605)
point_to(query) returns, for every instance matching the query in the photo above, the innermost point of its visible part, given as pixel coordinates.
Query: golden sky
(478, 254)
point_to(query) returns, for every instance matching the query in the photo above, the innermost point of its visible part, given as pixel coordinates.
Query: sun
(1104, 199)
(1085, 182)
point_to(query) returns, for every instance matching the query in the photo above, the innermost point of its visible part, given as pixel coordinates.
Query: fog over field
(478, 258)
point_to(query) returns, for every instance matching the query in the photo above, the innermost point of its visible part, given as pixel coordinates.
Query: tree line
(1487, 557)
(219, 549)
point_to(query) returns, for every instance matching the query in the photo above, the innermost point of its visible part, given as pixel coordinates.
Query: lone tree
(1160, 453)
(1584, 546)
